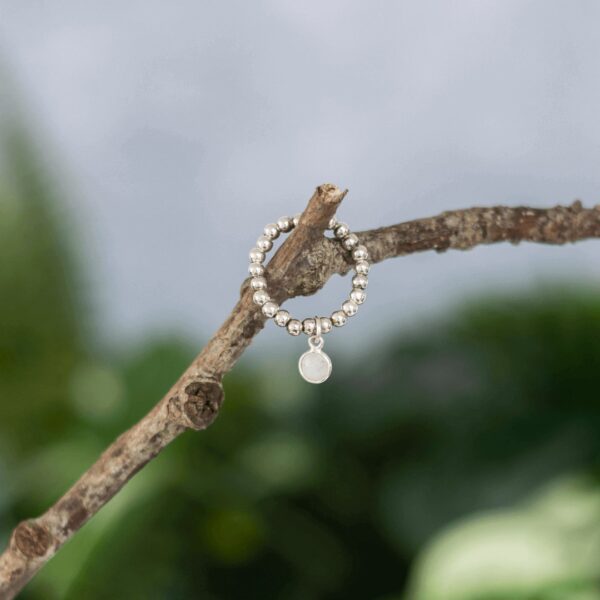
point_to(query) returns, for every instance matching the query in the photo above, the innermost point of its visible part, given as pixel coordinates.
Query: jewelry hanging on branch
(314, 365)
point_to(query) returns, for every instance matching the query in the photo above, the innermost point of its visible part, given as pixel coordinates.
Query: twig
(301, 266)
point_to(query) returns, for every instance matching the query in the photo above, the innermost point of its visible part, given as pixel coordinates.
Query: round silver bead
(282, 318)
(360, 281)
(296, 219)
(350, 241)
(294, 327)
(339, 318)
(256, 255)
(326, 325)
(256, 269)
(362, 267)
(341, 231)
(309, 326)
(357, 295)
(271, 231)
(270, 309)
(258, 283)
(349, 307)
(260, 297)
(284, 224)
(360, 253)
(333, 223)
(263, 243)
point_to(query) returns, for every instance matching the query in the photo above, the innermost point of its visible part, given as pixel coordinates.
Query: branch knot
(31, 539)
(202, 403)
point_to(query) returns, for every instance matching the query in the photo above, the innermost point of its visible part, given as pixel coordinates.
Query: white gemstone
(315, 366)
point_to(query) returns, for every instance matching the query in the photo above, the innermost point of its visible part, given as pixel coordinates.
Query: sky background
(179, 129)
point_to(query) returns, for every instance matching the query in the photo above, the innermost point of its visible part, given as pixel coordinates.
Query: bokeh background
(454, 454)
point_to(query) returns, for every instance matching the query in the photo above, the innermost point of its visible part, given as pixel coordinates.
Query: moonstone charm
(314, 365)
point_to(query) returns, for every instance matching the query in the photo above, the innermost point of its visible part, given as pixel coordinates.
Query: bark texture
(301, 266)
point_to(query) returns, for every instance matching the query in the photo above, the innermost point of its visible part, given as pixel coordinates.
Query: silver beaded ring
(314, 365)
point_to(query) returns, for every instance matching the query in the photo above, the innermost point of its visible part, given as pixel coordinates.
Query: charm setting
(314, 365)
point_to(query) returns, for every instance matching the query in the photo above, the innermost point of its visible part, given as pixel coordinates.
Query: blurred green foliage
(39, 341)
(458, 462)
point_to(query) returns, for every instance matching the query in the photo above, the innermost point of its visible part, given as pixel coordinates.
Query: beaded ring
(314, 365)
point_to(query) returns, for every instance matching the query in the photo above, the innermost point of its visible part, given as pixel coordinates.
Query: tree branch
(301, 266)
